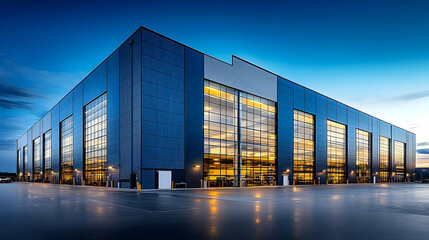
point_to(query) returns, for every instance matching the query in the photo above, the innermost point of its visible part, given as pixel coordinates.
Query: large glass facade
(399, 161)
(258, 140)
(384, 159)
(303, 150)
(66, 162)
(337, 152)
(26, 173)
(363, 156)
(47, 156)
(221, 157)
(239, 138)
(37, 168)
(96, 142)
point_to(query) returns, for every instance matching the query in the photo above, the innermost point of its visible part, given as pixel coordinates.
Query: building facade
(157, 112)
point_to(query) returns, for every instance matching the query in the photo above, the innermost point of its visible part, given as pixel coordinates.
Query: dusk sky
(371, 55)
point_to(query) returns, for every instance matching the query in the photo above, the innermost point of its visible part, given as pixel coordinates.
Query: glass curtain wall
(303, 150)
(258, 140)
(337, 152)
(66, 166)
(233, 119)
(220, 135)
(96, 142)
(399, 161)
(47, 156)
(363, 156)
(26, 173)
(384, 159)
(37, 168)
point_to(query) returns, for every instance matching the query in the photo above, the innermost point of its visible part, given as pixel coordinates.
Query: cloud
(11, 104)
(423, 151)
(407, 97)
(421, 144)
(7, 90)
(7, 144)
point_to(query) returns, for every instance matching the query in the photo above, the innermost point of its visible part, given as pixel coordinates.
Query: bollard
(318, 180)
(111, 184)
(347, 181)
(201, 183)
(172, 184)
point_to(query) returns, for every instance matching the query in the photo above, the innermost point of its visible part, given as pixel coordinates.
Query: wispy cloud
(406, 97)
(423, 151)
(421, 144)
(8, 90)
(13, 104)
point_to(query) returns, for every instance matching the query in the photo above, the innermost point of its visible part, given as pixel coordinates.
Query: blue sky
(372, 55)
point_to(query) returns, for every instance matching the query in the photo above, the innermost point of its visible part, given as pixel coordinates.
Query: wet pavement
(364, 211)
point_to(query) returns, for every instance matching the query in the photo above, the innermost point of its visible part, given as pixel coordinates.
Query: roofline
(232, 57)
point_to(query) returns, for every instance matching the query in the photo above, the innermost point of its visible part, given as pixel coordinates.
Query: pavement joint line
(118, 205)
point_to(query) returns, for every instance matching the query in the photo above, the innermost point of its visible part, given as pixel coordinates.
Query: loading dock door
(164, 179)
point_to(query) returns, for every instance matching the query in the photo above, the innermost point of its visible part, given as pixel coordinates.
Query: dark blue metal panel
(163, 102)
(78, 133)
(332, 109)
(55, 124)
(364, 122)
(125, 114)
(137, 103)
(66, 106)
(194, 117)
(375, 164)
(352, 124)
(321, 135)
(310, 101)
(148, 176)
(285, 105)
(298, 97)
(94, 84)
(341, 113)
(113, 137)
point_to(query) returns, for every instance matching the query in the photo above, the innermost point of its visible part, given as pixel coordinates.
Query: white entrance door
(164, 179)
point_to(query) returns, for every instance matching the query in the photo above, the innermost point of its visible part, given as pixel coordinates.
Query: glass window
(337, 155)
(66, 151)
(363, 156)
(227, 113)
(384, 159)
(399, 161)
(37, 170)
(47, 156)
(96, 142)
(303, 147)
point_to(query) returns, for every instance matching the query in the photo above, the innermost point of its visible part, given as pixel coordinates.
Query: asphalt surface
(364, 211)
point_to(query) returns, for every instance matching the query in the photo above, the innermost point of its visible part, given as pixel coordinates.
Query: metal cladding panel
(375, 165)
(46, 122)
(55, 117)
(241, 75)
(149, 178)
(194, 117)
(352, 124)
(399, 135)
(95, 84)
(78, 132)
(341, 113)
(385, 129)
(137, 103)
(364, 122)
(298, 97)
(310, 101)
(30, 154)
(285, 105)
(35, 130)
(163, 109)
(66, 106)
(332, 109)
(321, 137)
(125, 113)
(113, 140)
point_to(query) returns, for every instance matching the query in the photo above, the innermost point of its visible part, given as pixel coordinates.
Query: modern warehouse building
(157, 113)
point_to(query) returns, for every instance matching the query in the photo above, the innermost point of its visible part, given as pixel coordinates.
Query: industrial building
(159, 114)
